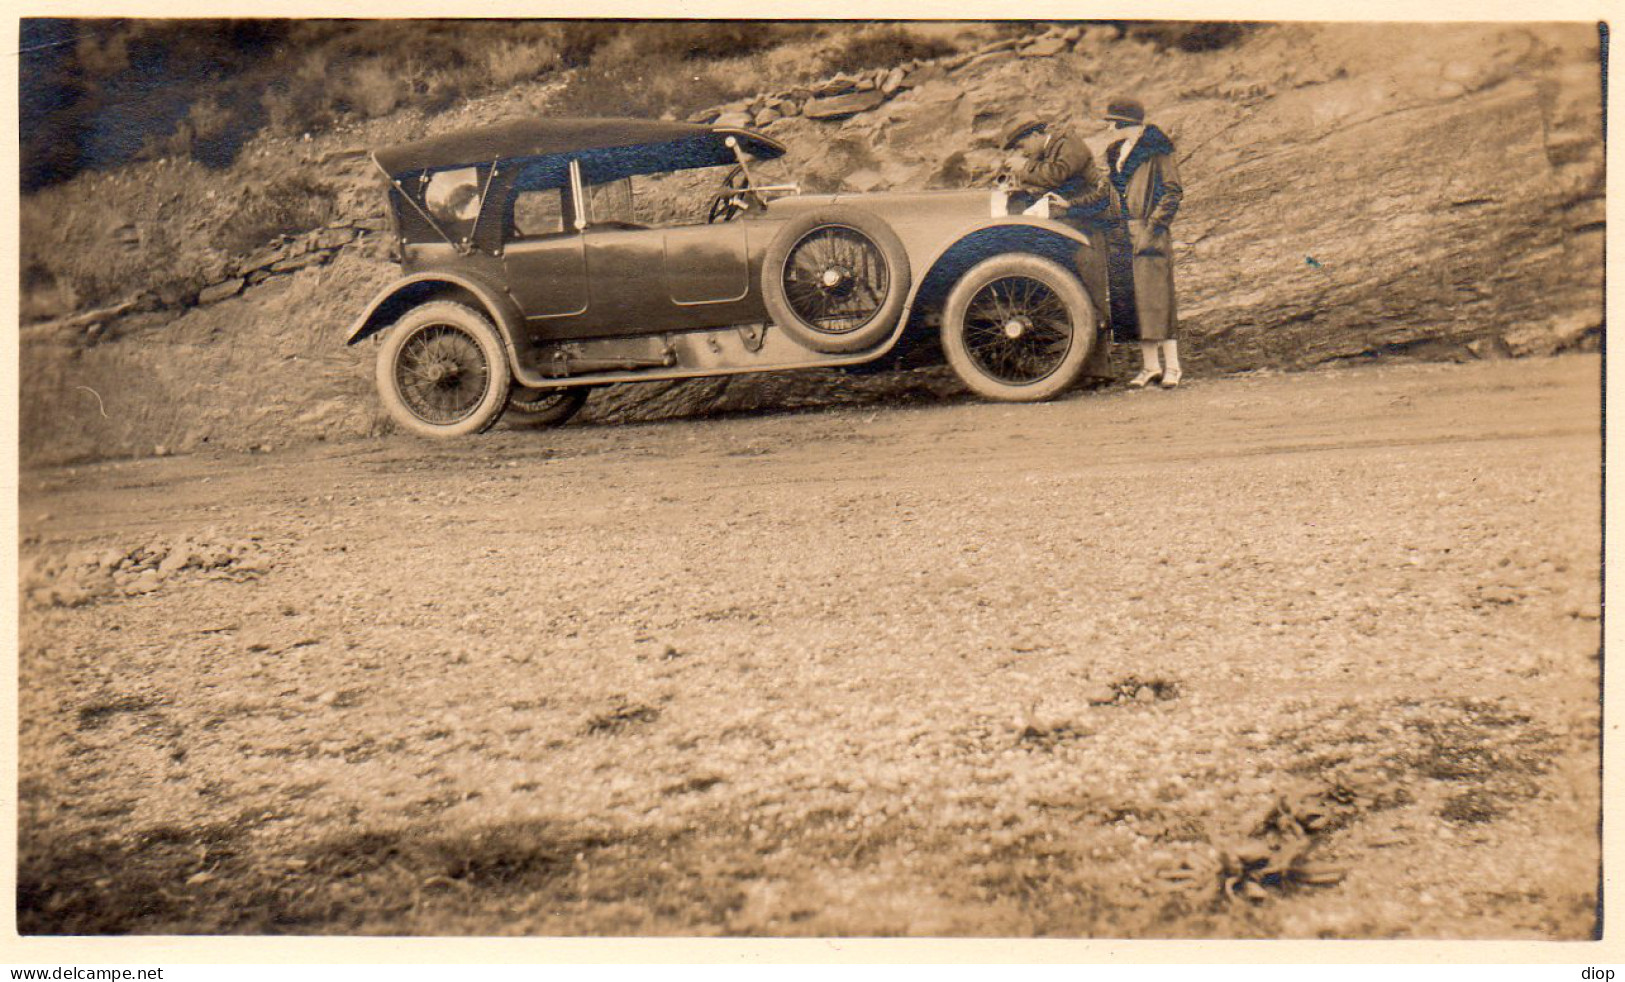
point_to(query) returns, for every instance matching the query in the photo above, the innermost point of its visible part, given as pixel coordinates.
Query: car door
(627, 290)
(653, 280)
(545, 260)
(707, 265)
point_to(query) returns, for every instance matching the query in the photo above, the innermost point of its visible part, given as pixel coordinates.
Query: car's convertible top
(672, 145)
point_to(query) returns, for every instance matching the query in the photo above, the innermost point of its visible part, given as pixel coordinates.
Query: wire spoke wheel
(1017, 330)
(836, 279)
(442, 374)
(443, 371)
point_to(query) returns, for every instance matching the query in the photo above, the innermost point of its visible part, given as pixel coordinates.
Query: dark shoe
(1143, 379)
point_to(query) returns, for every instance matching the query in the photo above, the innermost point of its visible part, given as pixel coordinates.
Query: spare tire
(835, 279)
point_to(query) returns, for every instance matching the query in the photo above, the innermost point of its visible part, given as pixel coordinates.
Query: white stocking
(1148, 352)
(1170, 355)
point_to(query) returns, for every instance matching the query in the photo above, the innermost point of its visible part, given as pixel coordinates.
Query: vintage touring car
(543, 258)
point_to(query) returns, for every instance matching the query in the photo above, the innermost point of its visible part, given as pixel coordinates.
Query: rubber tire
(878, 327)
(553, 415)
(1053, 275)
(495, 400)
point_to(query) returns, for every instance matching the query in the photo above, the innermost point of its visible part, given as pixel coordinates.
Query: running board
(695, 354)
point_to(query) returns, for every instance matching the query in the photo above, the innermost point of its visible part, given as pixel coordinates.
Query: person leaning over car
(1054, 160)
(1140, 163)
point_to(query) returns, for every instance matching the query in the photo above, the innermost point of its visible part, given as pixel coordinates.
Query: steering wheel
(735, 197)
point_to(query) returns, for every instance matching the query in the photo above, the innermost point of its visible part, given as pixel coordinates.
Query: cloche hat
(1127, 109)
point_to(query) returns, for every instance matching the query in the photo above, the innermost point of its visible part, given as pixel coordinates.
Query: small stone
(328, 698)
(294, 263)
(996, 47)
(1003, 54)
(766, 117)
(1102, 695)
(333, 238)
(198, 879)
(1044, 48)
(1146, 694)
(836, 107)
(220, 291)
(733, 121)
(263, 258)
(160, 451)
(839, 85)
(1588, 612)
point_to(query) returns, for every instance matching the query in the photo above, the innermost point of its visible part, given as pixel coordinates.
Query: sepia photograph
(718, 478)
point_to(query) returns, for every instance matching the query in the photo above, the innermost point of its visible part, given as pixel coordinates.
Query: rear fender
(404, 294)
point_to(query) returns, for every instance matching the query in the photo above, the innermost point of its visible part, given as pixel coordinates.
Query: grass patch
(286, 207)
(884, 47)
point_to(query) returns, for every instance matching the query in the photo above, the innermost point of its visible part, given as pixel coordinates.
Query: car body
(532, 273)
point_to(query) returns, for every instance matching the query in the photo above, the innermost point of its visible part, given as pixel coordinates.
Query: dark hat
(1125, 108)
(1022, 126)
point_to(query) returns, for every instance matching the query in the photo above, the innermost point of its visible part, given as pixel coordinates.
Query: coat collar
(1136, 145)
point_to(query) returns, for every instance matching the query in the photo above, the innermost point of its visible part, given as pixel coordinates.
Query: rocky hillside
(1353, 193)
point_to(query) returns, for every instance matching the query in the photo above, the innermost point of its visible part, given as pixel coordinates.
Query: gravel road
(1306, 655)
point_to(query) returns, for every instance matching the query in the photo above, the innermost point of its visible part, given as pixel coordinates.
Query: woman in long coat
(1145, 180)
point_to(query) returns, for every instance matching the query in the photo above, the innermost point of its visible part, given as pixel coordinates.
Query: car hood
(894, 205)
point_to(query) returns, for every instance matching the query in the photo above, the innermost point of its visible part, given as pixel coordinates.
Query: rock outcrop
(1353, 193)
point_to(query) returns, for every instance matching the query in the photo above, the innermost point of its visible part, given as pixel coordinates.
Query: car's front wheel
(1017, 328)
(443, 371)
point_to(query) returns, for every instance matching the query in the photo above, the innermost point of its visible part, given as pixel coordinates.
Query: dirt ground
(1305, 655)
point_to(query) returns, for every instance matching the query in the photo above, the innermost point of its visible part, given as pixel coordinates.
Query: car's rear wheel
(550, 406)
(1017, 328)
(443, 371)
(835, 279)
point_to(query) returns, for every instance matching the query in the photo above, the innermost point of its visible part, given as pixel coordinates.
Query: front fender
(410, 291)
(1015, 233)
(990, 237)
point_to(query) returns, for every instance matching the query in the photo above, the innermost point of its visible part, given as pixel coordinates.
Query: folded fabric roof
(692, 145)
